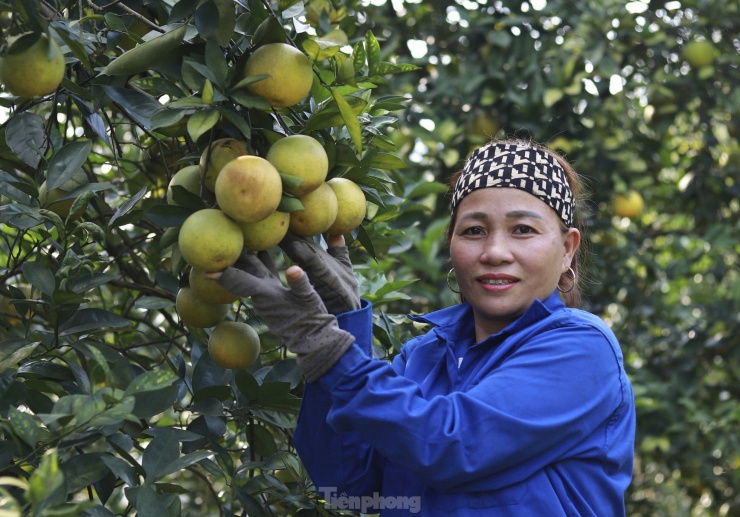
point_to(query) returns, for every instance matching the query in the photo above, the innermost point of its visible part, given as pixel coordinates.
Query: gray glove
(330, 272)
(295, 313)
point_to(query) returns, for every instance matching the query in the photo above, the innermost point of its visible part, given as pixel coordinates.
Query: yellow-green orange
(248, 189)
(223, 151)
(318, 8)
(302, 156)
(629, 204)
(210, 291)
(318, 214)
(196, 313)
(234, 344)
(36, 70)
(351, 205)
(188, 178)
(290, 71)
(210, 240)
(266, 233)
(55, 200)
(699, 53)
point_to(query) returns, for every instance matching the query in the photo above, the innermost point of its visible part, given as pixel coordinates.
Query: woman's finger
(334, 241)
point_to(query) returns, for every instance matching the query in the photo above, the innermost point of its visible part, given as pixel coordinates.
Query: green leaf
(160, 453)
(83, 470)
(226, 22)
(151, 381)
(248, 100)
(166, 117)
(25, 136)
(128, 205)
(66, 163)
(91, 281)
(359, 56)
(289, 204)
(552, 96)
(142, 57)
(147, 501)
(247, 385)
(25, 426)
(45, 480)
(167, 215)
(40, 277)
(238, 120)
(216, 63)
(153, 403)
(206, 19)
(201, 122)
(329, 114)
(180, 463)
(373, 53)
(116, 415)
(13, 351)
(86, 320)
(385, 161)
(138, 105)
(120, 468)
(350, 120)
(385, 68)
(425, 188)
(269, 31)
(290, 182)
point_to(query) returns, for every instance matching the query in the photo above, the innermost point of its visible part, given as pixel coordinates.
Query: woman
(511, 405)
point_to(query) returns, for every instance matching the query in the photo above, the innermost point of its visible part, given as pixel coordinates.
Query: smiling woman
(513, 404)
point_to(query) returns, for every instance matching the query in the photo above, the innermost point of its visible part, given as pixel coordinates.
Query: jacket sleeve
(537, 406)
(341, 460)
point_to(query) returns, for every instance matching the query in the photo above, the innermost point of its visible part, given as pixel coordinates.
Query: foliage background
(110, 406)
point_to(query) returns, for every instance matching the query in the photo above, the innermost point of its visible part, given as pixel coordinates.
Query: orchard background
(109, 405)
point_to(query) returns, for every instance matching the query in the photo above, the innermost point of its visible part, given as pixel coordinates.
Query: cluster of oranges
(246, 193)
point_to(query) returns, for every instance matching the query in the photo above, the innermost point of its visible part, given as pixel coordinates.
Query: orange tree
(109, 403)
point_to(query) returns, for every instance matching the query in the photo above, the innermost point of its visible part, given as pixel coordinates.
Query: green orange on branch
(234, 345)
(301, 156)
(197, 313)
(34, 70)
(628, 204)
(248, 189)
(290, 74)
(351, 206)
(210, 240)
(319, 212)
(222, 151)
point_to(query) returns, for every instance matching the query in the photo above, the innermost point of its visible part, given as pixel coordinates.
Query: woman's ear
(571, 242)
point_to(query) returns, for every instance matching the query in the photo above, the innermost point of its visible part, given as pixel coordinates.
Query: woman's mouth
(497, 282)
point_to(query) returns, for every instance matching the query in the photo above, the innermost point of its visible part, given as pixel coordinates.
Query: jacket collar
(460, 315)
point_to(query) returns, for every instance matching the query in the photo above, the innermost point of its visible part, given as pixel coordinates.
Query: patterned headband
(517, 166)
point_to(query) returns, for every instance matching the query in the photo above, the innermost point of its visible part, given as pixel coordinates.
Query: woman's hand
(329, 271)
(294, 313)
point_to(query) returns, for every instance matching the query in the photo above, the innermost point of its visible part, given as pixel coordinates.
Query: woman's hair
(573, 297)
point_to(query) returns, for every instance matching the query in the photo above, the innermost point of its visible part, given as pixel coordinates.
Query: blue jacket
(537, 420)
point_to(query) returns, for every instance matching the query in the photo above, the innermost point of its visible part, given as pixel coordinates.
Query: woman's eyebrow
(474, 215)
(519, 214)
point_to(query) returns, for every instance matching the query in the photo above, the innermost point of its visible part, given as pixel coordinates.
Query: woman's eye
(473, 230)
(523, 230)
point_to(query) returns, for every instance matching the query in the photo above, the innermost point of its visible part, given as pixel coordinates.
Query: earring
(452, 270)
(573, 274)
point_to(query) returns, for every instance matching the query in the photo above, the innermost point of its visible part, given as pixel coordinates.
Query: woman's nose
(496, 249)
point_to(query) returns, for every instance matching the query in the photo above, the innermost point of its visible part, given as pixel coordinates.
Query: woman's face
(508, 249)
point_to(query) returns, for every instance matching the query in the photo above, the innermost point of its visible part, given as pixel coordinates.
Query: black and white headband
(517, 166)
